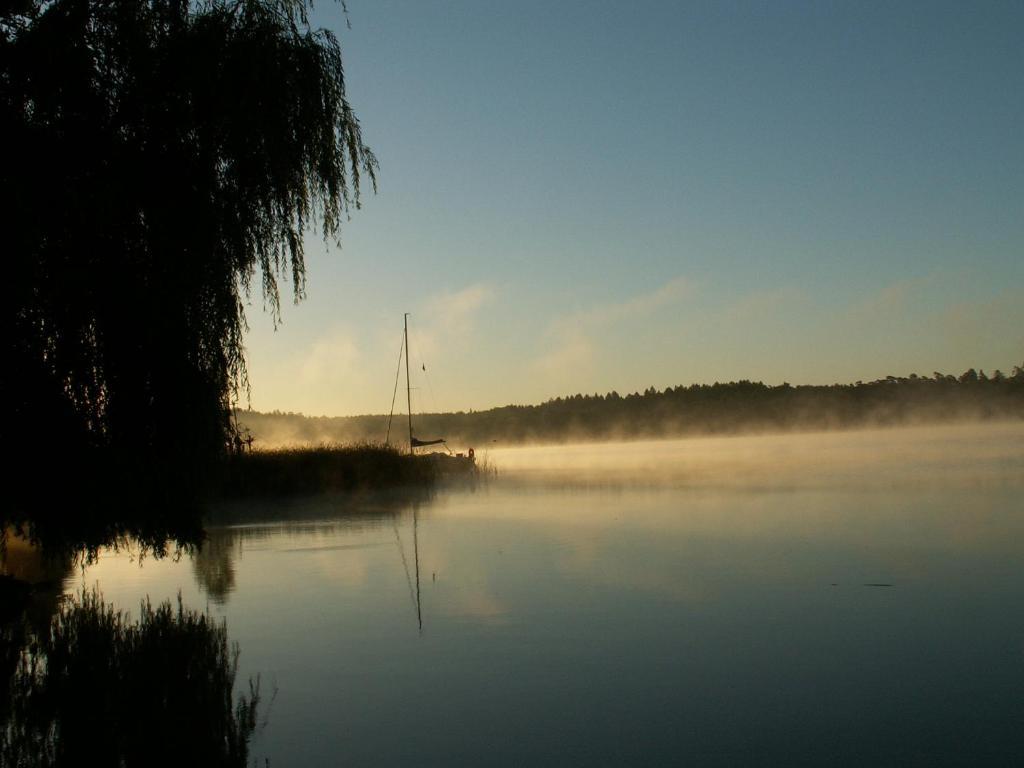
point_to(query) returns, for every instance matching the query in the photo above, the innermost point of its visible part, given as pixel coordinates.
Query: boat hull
(447, 464)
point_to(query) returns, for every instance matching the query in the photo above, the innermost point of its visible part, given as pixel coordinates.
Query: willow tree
(164, 159)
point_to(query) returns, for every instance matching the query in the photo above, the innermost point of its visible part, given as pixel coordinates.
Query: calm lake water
(851, 598)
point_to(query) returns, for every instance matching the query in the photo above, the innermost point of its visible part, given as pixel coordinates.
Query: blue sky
(580, 197)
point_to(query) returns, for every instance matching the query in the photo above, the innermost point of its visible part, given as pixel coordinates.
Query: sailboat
(446, 462)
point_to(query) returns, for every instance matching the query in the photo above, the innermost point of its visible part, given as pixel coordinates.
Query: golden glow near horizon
(473, 349)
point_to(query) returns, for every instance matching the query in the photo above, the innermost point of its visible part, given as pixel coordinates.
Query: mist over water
(948, 455)
(803, 599)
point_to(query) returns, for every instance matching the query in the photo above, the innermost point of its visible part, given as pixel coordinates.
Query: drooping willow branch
(166, 154)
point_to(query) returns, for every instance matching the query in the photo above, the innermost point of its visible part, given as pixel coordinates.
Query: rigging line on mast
(398, 371)
(426, 378)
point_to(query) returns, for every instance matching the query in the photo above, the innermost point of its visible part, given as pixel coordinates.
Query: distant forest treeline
(742, 406)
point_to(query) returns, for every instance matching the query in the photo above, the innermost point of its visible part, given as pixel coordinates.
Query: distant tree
(722, 407)
(970, 376)
(160, 156)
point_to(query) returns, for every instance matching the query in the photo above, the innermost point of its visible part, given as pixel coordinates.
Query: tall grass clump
(326, 467)
(100, 689)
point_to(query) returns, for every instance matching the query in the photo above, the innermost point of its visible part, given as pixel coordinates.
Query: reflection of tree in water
(231, 526)
(33, 579)
(31, 586)
(97, 685)
(214, 563)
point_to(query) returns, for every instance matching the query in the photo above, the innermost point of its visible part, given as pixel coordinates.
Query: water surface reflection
(644, 610)
(94, 685)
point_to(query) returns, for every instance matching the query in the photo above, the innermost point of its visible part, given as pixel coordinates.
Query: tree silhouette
(720, 408)
(162, 156)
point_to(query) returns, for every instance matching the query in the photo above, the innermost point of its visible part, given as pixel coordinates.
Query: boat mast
(408, 389)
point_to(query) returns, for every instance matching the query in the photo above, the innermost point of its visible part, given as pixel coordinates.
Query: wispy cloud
(572, 350)
(765, 304)
(570, 338)
(328, 358)
(985, 329)
(447, 317)
(634, 307)
(454, 310)
(328, 366)
(892, 300)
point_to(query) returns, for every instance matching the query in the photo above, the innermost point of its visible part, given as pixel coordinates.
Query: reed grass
(323, 468)
(96, 687)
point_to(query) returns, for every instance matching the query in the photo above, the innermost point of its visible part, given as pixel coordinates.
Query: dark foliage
(80, 533)
(95, 687)
(323, 468)
(742, 406)
(161, 155)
